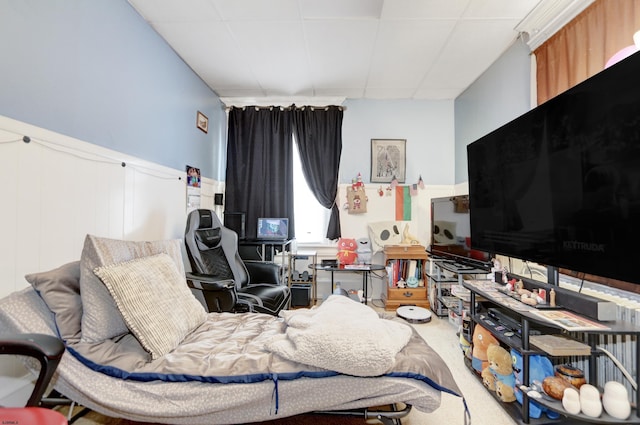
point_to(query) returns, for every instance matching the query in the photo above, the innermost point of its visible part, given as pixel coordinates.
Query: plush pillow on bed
(60, 290)
(100, 317)
(154, 300)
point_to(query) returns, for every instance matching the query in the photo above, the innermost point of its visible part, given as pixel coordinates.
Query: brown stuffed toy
(500, 366)
(481, 340)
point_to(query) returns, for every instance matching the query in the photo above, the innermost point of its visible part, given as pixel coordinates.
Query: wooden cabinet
(402, 262)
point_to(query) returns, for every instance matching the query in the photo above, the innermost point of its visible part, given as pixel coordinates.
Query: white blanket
(341, 335)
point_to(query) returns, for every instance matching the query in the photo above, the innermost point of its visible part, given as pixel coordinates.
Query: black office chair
(47, 350)
(221, 277)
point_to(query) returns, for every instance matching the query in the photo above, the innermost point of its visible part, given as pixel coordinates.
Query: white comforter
(341, 335)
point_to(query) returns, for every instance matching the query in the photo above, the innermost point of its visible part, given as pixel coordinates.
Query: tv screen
(450, 230)
(273, 228)
(560, 185)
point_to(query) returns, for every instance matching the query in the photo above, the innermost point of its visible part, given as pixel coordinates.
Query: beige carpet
(441, 335)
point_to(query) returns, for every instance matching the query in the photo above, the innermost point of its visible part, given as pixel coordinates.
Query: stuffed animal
(465, 346)
(539, 368)
(364, 251)
(481, 340)
(347, 251)
(500, 365)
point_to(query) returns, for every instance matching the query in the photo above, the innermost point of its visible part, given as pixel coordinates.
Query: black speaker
(217, 199)
(300, 295)
(235, 222)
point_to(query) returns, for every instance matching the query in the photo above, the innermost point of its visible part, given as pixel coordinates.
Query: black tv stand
(485, 295)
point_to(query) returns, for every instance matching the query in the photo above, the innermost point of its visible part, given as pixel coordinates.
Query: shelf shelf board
(605, 418)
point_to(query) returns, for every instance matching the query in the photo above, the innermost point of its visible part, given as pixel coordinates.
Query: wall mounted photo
(202, 122)
(388, 160)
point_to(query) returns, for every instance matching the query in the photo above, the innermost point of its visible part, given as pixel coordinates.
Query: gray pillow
(60, 290)
(100, 317)
(156, 304)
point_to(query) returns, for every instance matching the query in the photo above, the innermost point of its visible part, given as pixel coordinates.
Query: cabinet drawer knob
(408, 294)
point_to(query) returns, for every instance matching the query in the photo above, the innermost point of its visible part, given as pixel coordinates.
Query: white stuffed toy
(364, 250)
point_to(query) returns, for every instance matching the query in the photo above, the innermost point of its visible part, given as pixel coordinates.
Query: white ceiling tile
(437, 93)
(424, 9)
(499, 8)
(240, 92)
(241, 10)
(341, 9)
(347, 92)
(470, 51)
(389, 92)
(405, 50)
(173, 11)
(340, 52)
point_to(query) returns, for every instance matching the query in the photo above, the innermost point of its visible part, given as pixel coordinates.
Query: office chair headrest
(208, 238)
(206, 219)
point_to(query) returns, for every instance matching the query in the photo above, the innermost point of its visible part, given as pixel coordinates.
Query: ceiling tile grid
(379, 49)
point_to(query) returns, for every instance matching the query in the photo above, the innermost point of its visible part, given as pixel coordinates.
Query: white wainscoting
(57, 189)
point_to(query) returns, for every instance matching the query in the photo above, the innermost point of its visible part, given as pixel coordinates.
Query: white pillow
(100, 317)
(154, 300)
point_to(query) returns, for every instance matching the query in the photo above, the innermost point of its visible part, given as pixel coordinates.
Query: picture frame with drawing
(202, 122)
(388, 160)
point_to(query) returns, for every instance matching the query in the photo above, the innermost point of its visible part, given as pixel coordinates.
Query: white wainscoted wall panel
(56, 189)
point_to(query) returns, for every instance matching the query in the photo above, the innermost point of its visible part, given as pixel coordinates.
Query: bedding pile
(341, 335)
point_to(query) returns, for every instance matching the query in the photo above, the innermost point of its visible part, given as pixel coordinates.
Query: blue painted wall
(427, 126)
(94, 70)
(501, 94)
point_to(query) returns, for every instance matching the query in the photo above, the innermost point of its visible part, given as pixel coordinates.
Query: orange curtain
(583, 46)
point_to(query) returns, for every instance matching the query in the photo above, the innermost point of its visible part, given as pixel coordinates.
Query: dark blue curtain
(318, 133)
(259, 177)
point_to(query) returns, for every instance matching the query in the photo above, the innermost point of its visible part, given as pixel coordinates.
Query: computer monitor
(273, 228)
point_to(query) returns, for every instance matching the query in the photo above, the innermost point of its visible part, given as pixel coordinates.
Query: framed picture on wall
(388, 160)
(202, 122)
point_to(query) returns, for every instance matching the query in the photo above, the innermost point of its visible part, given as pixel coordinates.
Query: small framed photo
(388, 160)
(202, 122)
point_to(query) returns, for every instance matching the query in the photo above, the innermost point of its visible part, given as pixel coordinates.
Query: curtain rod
(286, 108)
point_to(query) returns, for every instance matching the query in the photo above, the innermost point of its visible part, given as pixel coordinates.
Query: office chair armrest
(208, 282)
(46, 349)
(217, 295)
(263, 272)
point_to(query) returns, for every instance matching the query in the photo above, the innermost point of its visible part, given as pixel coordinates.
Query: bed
(195, 367)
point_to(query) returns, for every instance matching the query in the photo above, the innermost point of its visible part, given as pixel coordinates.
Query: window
(311, 218)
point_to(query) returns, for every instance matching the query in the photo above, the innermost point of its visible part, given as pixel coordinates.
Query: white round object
(571, 401)
(615, 400)
(413, 314)
(534, 394)
(590, 401)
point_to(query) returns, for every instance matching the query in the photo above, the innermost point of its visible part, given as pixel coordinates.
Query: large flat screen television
(450, 232)
(560, 185)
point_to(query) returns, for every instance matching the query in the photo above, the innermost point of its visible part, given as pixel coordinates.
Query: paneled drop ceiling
(374, 49)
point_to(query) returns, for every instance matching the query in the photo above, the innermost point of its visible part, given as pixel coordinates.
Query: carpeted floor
(441, 335)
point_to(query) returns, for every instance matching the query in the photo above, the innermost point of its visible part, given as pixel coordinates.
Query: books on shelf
(357, 267)
(558, 345)
(403, 269)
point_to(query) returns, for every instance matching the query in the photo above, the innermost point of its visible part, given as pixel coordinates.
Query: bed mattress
(222, 374)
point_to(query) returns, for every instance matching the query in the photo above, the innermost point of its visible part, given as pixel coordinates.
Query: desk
(364, 269)
(270, 247)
